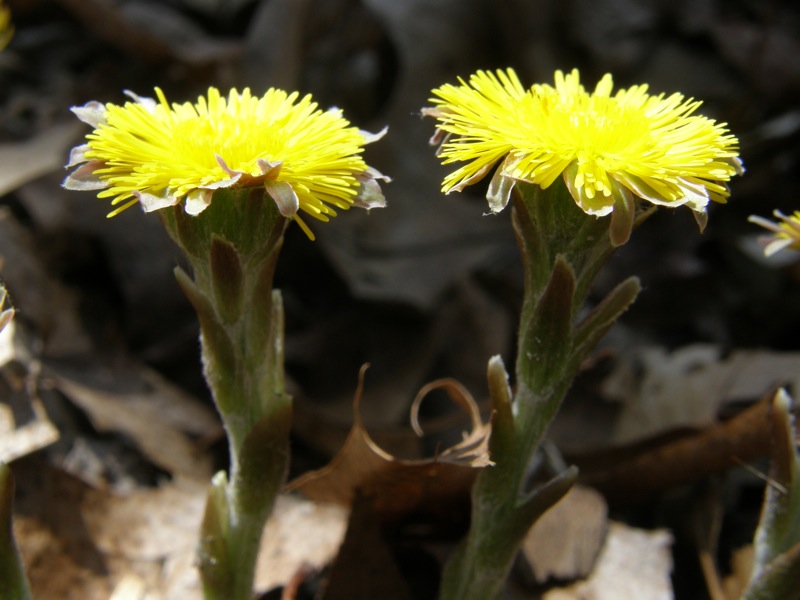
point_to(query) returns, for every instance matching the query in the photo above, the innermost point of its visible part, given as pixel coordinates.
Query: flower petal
(499, 191)
(373, 137)
(777, 245)
(598, 205)
(151, 202)
(369, 193)
(77, 156)
(655, 146)
(169, 152)
(84, 179)
(623, 215)
(284, 196)
(695, 195)
(148, 103)
(92, 113)
(197, 201)
(471, 179)
(270, 169)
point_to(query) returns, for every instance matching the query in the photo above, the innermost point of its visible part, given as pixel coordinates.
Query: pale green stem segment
(233, 248)
(562, 251)
(776, 564)
(13, 584)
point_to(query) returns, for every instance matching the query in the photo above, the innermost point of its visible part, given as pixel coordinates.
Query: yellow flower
(6, 28)
(607, 147)
(786, 233)
(158, 155)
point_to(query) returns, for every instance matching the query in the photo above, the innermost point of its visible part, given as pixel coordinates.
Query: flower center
(239, 143)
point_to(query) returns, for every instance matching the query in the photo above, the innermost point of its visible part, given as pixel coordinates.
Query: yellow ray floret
(158, 154)
(605, 145)
(6, 28)
(785, 232)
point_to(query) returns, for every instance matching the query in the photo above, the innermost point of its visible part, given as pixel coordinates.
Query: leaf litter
(445, 279)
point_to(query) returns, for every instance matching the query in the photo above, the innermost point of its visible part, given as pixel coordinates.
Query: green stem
(233, 247)
(562, 249)
(13, 584)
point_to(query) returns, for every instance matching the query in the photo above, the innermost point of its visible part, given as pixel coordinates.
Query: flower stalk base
(13, 584)
(233, 247)
(563, 249)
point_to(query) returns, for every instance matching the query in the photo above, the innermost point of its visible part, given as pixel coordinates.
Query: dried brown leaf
(365, 566)
(564, 543)
(634, 564)
(687, 387)
(24, 424)
(25, 161)
(648, 472)
(159, 417)
(92, 542)
(300, 535)
(394, 487)
(741, 568)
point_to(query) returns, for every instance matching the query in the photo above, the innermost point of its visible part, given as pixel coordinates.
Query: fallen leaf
(564, 543)
(687, 387)
(159, 417)
(91, 542)
(741, 568)
(24, 424)
(300, 534)
(634, 564)
(365, 566)
(46, 306)
(635, 474)
(22, 162)
(394, 487)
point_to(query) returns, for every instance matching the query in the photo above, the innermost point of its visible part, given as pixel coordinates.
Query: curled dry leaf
(396, 488)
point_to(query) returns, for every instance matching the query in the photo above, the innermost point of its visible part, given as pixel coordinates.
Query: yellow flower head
(607, 146)
(158, 155)
(6, 28)
(786, 234)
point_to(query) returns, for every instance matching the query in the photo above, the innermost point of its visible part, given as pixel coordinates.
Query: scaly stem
(562, 250)
(13, 584)
(233, 247)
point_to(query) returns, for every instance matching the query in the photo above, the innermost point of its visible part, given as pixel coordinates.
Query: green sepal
(181, 228)
(273, 352)
(502, 440)
(544, 497)
(213, 554)
(264, 458)
(13, 584)
(247, 218)
(548, 224)
(595, 325)
(777, 540)
(219, 356)
(227, 279)
(266, 311)
(778, 579)
(500, 394)
(623, 215)
(545, 335)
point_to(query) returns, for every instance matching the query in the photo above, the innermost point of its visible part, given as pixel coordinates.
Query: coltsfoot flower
(609, 147)
(6, 28)
(786, 233)
(158, 154)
